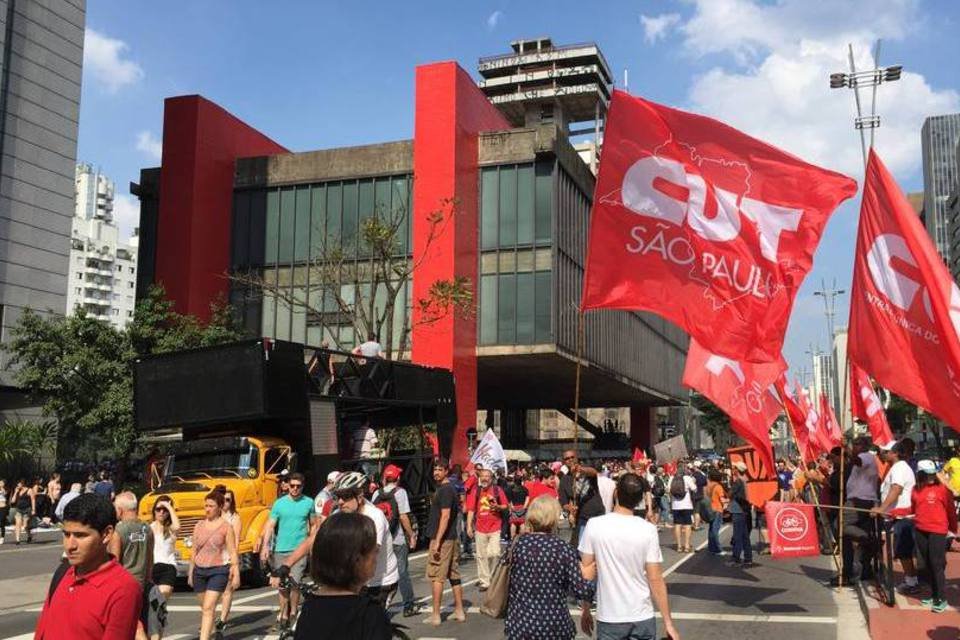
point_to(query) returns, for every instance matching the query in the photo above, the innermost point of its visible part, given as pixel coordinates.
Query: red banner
(866, 406)
(761, 480)
(832, 435)
(904, 307)
(742, 390)
(704, 225)
(798, 418)
(815, 442)
(792, 528)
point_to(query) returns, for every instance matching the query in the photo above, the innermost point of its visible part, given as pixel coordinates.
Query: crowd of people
(567, 532)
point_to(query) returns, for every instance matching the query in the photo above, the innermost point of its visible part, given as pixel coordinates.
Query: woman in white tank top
(165, 526)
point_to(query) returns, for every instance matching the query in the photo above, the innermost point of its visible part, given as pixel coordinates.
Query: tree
(81, 369)
(358, 284)
(713, 420)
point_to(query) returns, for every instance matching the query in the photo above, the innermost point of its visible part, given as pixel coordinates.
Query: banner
(762, 483)
(792, 528)
(742, 390)
(670, 450)
(704, 225)
(832, 434)
(904, 306)
(489, 453)
(866, 406)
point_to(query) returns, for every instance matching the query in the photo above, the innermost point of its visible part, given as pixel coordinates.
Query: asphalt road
(781, 599)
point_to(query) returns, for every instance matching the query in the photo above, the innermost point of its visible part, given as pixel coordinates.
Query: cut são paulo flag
(742, 390)
(866, 406)
(904, 306)
(797, 416)
(704, 225)
(830, 432)
(810, 425)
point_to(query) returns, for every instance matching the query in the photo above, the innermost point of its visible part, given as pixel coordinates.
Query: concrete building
(41, 53)
(939, 137)
(103, 269)
(823, 382)
(227, 198)
(953, 221)
(842, 386)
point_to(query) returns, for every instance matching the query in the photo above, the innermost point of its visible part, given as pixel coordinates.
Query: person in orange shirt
(717, 496)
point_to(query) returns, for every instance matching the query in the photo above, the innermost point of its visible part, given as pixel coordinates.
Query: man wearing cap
(324, 503)
(739, 508)
(404, 539)
(895, 501)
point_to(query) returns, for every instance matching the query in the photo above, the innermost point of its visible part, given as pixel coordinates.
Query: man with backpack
(393, 500)
(486, 505)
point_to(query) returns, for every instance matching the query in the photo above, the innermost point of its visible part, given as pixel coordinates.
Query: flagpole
(796, 442)
(843, 451)
(576, 393)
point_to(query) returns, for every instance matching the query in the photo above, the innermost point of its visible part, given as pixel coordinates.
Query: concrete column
(642, 429)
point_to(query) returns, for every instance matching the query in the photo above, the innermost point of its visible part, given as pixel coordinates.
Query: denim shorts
(210, 578)
(903, 543)
(642, 630)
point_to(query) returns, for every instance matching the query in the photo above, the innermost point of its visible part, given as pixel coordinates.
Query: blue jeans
(666, 515)
(741, 538)
(643, 630)
(403, 568)
(713, 535)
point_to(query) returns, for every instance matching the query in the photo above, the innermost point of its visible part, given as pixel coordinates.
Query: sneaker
(221, 625)
(939, 606)
(908, 589)
(410, 611)
(927, 602)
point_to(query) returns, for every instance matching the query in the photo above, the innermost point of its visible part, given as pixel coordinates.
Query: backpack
(678, 488)
(386, 501)
(658, 489)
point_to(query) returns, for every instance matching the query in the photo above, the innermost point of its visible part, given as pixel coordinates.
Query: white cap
(741, 466)
(927, 466)
(332, 476)
(887, 447)
(697, 464)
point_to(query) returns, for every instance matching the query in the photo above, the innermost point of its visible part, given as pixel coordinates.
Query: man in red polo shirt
(92, 597)
(485, 507)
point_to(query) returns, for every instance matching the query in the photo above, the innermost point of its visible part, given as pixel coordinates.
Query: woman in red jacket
(934, 518)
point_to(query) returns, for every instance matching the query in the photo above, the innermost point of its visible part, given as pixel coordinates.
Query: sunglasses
(228, 499)
(296, 486)
(565, 458)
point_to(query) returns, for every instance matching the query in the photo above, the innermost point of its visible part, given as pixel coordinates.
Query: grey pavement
(779, 599)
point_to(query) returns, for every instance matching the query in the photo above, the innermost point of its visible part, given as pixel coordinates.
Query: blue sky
(321, 74)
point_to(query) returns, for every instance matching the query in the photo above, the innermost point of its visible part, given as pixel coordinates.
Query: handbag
(495, 599)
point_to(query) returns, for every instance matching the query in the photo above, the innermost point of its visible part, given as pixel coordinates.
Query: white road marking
(719, 617)
(687, 556)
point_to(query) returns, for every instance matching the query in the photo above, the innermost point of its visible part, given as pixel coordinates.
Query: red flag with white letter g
(865, 405)
(904, 306)
(705, 226)
(742, 390)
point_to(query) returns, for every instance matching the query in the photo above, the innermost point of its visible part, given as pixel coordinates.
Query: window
(131, 270)
(129, 314)
(78, 290)
(131, 284)
(79, 276)
(119, 268)
(115, 312)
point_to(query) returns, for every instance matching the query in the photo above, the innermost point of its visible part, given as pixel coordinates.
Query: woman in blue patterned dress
(544, 573)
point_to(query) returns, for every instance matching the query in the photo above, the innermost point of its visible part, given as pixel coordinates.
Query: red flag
(811, 425)
(865, 405)
(743, 390)
(904, 307)
(704, 225)
(797, 415)
(831, 434)
(639, 455)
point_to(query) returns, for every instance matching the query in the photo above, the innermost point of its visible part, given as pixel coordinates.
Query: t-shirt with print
(901, 474)
(403, 506)
(445, 498)
(136, 545)
(481, 502)
(386, 572)
(292, 518)
(622, 545)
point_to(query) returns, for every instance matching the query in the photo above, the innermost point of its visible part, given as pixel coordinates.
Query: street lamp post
(868, 79)
(829, 310)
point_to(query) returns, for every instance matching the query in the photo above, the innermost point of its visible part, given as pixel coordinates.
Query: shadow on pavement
(717, 568)
(816, 573)
(741, 596)
(944, 633)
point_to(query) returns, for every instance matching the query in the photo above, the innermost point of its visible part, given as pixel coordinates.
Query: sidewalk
(908, 620)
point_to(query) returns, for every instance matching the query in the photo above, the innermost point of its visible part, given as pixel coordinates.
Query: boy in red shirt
(485, 507)
(92, 597)
(934, 517)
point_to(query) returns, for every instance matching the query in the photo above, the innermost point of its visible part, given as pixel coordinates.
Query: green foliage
(80, 368)
(712, 420)
(23, 444)
(901, 414)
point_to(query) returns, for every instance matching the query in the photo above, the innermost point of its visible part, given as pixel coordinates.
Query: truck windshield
(231, 461)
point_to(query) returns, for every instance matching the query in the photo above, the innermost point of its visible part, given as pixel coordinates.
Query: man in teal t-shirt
(291, 517)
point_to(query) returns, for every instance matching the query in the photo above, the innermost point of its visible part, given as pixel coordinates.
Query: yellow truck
(249, 410)
(249, 466)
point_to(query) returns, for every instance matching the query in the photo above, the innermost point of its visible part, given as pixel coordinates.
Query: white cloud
(777, 88)
(494, 19)
(656, 27)
(103, 58)
(126, 214)
(150, 145)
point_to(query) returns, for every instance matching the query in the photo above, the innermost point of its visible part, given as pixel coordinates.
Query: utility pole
(829, 311)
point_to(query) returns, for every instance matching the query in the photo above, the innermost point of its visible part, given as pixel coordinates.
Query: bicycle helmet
(350, 484)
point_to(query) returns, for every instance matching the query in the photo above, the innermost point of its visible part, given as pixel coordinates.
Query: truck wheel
(255, 574)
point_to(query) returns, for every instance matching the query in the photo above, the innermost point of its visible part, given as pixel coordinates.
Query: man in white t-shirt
(896, 495)
(681, 505)
(622, 553)
(606, 486)
(404, 538)
(371, 348)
